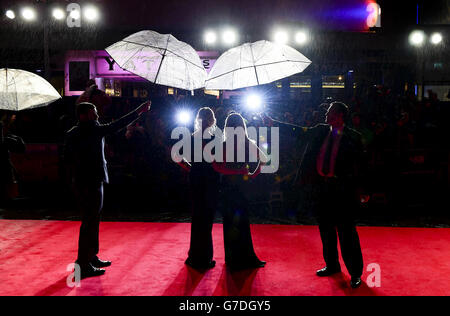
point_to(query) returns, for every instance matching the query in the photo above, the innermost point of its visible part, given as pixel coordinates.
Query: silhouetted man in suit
(84, 153)
(330, 168)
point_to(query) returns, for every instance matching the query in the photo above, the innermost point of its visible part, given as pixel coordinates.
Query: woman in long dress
(204, 187)
(239, 251)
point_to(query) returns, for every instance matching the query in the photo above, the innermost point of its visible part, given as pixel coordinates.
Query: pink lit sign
(103, 66)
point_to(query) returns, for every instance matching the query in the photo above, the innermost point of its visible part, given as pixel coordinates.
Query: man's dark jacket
(84, 148)
(349, 159)
(10, 143)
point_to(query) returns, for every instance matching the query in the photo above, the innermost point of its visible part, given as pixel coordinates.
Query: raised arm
(285, 128)
(126, 120)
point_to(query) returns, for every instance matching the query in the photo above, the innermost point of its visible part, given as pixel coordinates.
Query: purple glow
(346, 15)
(347, 18)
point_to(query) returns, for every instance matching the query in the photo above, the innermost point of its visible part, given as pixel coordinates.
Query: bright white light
(58, 14)
(28, 14)
(281, 37)
(10, 14)
(436, 38)
(229, 37)
(254, 102)
(301, 38)
(91, 14)
(184, 117)
(75, 14)
(417, 38)
(210, 37)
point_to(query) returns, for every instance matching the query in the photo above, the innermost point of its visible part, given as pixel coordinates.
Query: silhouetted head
(205, 119)
(90, 83)
(337, 114)
(235, 120)
(87, 112)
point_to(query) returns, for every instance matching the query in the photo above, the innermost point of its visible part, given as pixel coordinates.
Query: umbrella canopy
(161, 59)
(20, 90)
(253, 64)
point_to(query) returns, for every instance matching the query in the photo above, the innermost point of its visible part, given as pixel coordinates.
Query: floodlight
(91, 14)
(229, 37)
(254, 102)
(281, 37)
(10, 14)
(184, 117)
(436, 38)
(58, 13)
(28, 14)
(210, 37)
(417, 38)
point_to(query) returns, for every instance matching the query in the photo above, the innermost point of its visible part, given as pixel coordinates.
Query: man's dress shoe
(355, 283)
(327, 272)
(88, 271)
(97, 263)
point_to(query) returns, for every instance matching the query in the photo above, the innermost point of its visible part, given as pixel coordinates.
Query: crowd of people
(140, 161)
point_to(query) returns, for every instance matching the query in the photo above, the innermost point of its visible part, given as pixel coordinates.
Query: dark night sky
(250, 14)
(259, 13)
(187, 19)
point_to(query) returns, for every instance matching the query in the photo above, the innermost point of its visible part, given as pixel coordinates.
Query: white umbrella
(20, 90)
(161, 59)
(253, 64)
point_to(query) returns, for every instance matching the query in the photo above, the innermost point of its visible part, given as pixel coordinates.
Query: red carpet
(148, 260)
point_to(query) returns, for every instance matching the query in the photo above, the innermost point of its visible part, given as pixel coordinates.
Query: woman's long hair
(235, 120)
(204, 120)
